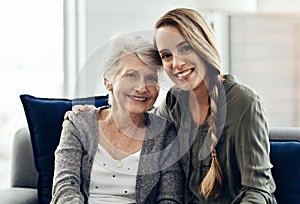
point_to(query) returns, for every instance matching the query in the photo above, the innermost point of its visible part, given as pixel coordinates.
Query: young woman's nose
(178, 62)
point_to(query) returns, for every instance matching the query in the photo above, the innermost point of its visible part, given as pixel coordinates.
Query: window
(265, 54)
(31, 52)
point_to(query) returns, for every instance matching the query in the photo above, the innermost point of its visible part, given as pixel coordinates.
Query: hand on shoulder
(77, 109)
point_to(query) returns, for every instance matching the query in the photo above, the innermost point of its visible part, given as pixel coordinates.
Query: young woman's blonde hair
(200, 36)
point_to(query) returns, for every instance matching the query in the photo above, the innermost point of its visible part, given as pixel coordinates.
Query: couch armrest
(23, 172)
(285, 133)
(19, 196)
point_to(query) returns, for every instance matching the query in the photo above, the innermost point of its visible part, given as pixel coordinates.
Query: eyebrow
(178, 45)
(183, 42)
(128, 70)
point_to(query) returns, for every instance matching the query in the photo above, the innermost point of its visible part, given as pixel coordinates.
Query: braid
(212, 183)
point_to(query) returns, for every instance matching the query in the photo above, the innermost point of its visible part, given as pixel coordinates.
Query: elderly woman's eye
(131, 75)
(152, 79)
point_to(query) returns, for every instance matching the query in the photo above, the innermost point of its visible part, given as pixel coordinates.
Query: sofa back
(285, 157)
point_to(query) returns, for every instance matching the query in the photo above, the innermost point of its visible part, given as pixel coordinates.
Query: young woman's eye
(186, 48)
(165, 56)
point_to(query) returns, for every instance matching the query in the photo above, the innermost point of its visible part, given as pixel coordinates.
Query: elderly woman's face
(135, 86)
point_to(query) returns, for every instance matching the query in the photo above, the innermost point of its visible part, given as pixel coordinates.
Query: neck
(199, 103)
(128, 124)
(120, 135)
(200, 94)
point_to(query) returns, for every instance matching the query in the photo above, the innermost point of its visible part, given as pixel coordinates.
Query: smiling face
(135, 86)
(180, 61)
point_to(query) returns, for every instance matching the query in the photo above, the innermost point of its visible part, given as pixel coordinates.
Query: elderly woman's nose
(140, 85)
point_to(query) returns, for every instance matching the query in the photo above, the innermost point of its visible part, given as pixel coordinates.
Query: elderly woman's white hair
(121, 46)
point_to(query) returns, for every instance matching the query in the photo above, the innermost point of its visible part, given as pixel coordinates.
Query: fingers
(81, 108)
(85, 108)
(76, 109)
(66, 116)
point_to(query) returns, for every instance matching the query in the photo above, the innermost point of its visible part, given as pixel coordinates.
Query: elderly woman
(120, 153)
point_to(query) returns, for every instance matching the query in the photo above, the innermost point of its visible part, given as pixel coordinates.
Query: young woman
(212, 113)
(120, 153)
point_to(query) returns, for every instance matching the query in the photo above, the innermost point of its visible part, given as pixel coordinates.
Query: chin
(185, 86)
(136, 109)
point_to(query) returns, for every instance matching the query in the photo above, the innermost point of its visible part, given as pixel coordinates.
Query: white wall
(265, 55)
(98, 20)
(30, 63)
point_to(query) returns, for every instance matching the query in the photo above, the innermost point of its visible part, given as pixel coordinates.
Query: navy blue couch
(285, 157)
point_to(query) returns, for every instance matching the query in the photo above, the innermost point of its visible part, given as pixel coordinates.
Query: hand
(77, 109)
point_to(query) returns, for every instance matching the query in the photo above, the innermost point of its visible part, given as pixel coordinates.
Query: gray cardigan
(160, 178)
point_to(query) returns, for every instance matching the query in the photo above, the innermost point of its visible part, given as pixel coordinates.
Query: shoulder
(160, 128)
(84, 123)
(84, 117)
(242, 101)
(158, 122)
(175, 89)
(174, 92)
(240, 93)
(174, 98)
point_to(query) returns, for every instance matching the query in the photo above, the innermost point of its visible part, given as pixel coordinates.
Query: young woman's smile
(184, 75)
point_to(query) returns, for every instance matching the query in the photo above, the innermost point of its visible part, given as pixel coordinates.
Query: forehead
(132, 62)
(168, 37)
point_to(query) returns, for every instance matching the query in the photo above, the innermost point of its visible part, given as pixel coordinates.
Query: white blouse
(113, 181)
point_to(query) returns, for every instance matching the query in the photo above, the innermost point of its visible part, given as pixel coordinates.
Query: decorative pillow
(44, 117)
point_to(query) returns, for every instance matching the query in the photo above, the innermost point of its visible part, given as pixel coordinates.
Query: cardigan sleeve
(252, 154)
(171, 185)
(66, 180)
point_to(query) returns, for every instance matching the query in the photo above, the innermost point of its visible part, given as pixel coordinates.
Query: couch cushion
(44, 117)
(285, 157)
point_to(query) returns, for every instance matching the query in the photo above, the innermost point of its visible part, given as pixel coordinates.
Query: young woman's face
(135, 86)
(182, 64)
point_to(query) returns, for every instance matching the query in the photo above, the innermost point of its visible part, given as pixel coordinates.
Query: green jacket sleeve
(252, 150)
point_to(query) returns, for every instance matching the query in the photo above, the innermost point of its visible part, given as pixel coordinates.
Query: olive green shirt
(242, 149)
